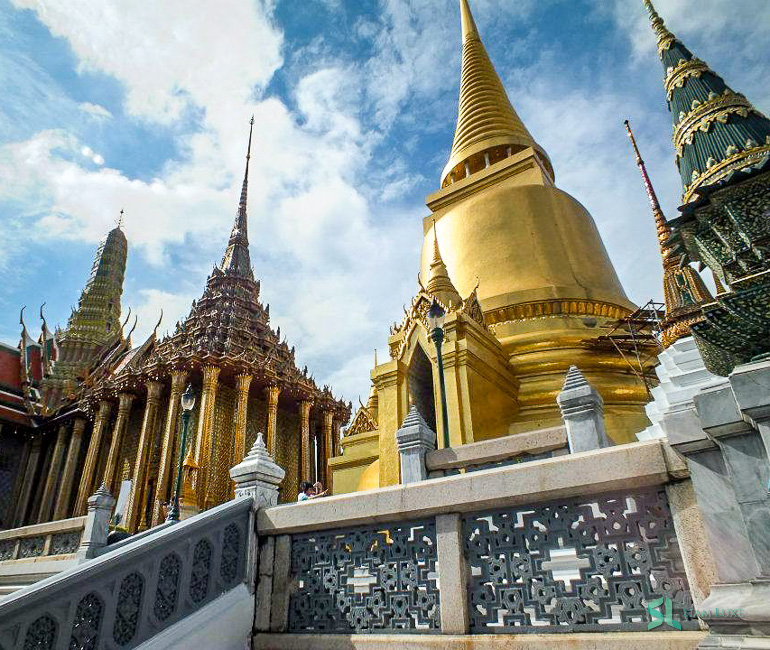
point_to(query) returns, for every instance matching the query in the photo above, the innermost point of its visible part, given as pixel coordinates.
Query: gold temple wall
(222, 452)
(130, 443)
(256, 419)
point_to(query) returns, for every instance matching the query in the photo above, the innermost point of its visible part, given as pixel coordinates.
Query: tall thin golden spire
(661, 225)
(683, 289)
(488, 128)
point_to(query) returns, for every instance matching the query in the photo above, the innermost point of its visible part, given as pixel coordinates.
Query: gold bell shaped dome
(488, 128)
(440, 285)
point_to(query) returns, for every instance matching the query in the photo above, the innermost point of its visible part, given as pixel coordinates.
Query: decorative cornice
(721, 169)
(677, 75)
(552, 308)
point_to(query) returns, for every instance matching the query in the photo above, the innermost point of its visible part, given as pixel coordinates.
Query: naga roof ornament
(717, 131)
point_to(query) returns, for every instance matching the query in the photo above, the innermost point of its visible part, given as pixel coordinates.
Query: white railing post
(94, 538)
(415, 439)
(452, 574)
(582, 409)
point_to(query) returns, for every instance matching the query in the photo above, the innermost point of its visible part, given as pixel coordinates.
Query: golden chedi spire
(488, 128)
(439, 284)
(683, 289)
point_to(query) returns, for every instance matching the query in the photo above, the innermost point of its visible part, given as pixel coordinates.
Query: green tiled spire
(716, 130)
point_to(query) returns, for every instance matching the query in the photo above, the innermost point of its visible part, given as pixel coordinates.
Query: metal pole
(173, 514)
(438, 337)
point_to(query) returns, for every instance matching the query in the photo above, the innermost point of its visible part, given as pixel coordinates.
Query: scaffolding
(637, 339)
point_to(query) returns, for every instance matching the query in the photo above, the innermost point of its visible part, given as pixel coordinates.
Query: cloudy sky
(110, 104)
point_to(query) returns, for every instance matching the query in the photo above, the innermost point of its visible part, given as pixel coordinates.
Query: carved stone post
(304, 419)
(49, 491)
(178, 379)
(205, 430)
(328, 448)
(243, 383)
(415, 439)
(92, 457)
(28, 481)
(94, 538)
(135, 503)
(272, 418)
(582, 409)
(70, 466)
(258, 476)
(121, 421)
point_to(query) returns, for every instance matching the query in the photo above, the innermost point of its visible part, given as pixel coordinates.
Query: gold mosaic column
(29, 478)
(178, 380)
(304, 419)
(68, 478)
(241, 414)
(272, 418)
(205, 431)
(328, 449)
(92, 457)
(121, 421)
(49, 491)
(336, 436)
(134, 505)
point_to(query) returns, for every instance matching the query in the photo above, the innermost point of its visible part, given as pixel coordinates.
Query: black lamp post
(436, 322)
(188, 402)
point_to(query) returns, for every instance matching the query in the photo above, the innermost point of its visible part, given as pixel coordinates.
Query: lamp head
(188, 398)
(436, 315)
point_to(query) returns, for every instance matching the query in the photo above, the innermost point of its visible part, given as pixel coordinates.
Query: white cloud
(96, 111)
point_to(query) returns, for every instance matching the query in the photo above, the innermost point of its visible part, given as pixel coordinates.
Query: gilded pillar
(178, 380)
(70, 466)
(272, 418)
(121, 421)
(336, 436)
(135, 496)
(88, 477)
(28, 481)
(304, 419)
(328, 448)
(241, 414)
(203, 442)
(49, 491)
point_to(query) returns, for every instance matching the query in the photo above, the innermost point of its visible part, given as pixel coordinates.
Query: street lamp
(188, 402)
(436, 322)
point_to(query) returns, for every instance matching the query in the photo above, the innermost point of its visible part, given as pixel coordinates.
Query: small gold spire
(487, 122)
(440, 284)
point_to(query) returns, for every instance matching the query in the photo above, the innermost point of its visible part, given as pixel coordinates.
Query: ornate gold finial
(488, 128)
(439, 284)
(469, 29)
(665, 37)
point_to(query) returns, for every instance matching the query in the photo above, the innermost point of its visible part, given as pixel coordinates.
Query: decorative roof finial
(120, 219)
(440, 284)
(236, 258)
(665, 37)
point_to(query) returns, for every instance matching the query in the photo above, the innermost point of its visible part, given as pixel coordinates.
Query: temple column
(178, 381)
(70, 466)
(134, 505)
(121, 421)
(328, 448)
(49, 491)
(92, 457)
(272, 393)
(305, 461)
(203, 442)
(241, 413)
(28, 481)
(336, 436)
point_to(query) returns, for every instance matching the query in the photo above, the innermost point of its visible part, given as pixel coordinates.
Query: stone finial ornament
(414, 438)
(582, 409)
(258, 475)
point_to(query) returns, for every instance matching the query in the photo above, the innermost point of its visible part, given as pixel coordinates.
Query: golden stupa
(539, 288)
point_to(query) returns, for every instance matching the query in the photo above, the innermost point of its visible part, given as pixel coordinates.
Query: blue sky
(145, 106)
